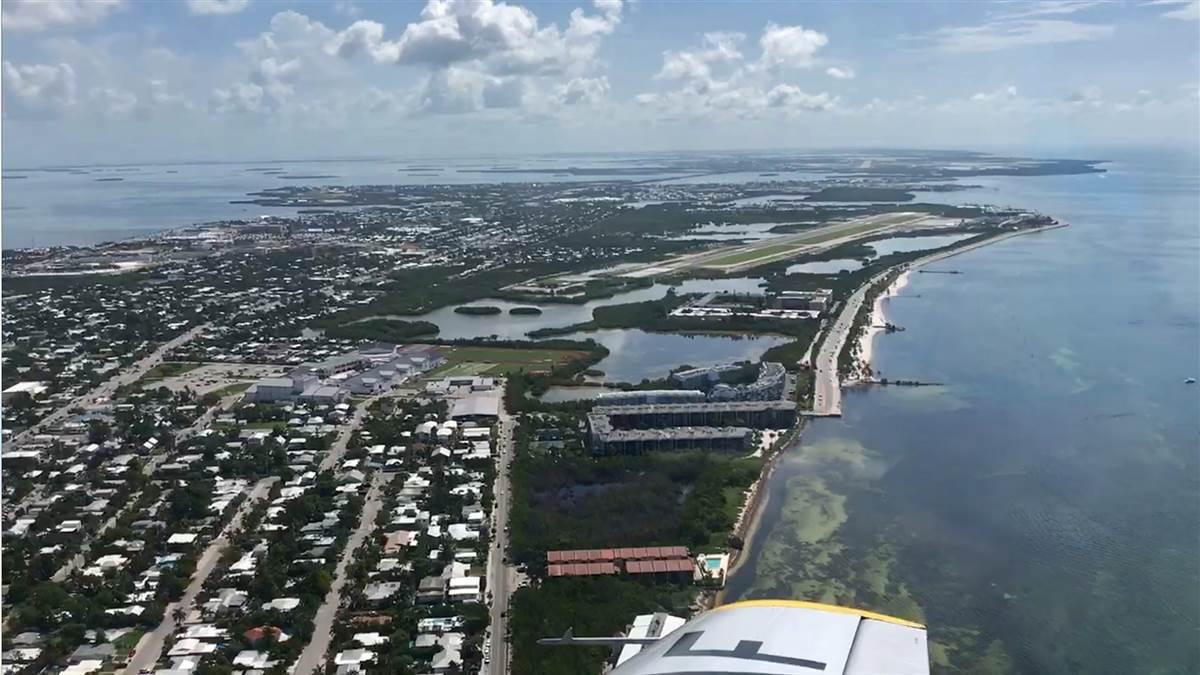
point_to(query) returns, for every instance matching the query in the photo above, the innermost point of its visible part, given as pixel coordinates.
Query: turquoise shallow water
(1042, 510)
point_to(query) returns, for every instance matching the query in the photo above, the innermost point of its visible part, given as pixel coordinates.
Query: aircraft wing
(782, 637)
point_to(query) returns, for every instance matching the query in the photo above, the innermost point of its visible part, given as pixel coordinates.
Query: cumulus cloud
(498, 38)
(457, 90)
(242, 97)
(38, 15)
(583, 91)
(792, 97)
(716, 78)
(790, 46)
(38, 88)
(113, 102)
(720, 47)
(208, 7)
(840, 73)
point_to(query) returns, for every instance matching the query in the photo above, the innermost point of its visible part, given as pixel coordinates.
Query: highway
(501, 577)
(312, 659)
(149, 648)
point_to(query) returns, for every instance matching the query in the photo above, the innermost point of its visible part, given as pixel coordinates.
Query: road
(149, 648)
(501, 577)
(334, 455)
(126, 375)
(148, 469)
(827, 385)
(312, 659)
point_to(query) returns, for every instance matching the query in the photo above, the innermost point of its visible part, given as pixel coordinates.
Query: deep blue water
(1048, 497)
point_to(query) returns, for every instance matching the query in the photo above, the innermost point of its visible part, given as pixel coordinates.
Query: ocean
(1041, 509)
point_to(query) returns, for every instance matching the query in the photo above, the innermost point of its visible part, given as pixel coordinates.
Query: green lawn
(234, 388)
(500, 360)
(169, 369)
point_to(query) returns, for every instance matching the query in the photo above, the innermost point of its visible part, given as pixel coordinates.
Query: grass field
(499, 361)
(169, 369)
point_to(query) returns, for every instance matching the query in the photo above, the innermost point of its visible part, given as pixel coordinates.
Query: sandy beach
(878, 320)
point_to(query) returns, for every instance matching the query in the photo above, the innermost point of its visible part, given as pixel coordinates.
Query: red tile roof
(676, 565)
(581, 569)
(617, 554)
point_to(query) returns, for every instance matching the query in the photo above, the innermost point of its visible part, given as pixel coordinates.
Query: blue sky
(117, 80)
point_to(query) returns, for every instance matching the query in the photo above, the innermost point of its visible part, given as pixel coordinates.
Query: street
(501, 577)
(312, 659)
(149, 648)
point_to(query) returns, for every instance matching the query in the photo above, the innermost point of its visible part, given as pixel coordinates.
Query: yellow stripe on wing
(801, 604)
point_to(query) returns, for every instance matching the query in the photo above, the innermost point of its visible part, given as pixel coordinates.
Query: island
(478, 310)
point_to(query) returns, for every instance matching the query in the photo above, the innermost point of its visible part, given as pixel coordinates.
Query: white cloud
(242, 97)
(209, 7)
(347, 8)
(455, 90)
(719, 47)
(38, 15)
(1183, 10)
(38, 88)
(791, 96)
(715, 79)
(840, 73)
(1007, 93)
(790, 46)
(1006, 33)
(498, 38)
(114, 102)
(583, 91)
(292, 55)
(1053, 7)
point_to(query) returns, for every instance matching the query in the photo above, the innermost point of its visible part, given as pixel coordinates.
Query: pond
(826, 266)
(635, 355)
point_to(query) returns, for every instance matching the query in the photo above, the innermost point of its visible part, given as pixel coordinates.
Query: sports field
(499, 360)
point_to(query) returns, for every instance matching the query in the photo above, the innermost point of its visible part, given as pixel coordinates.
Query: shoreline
(750, 516)
(877, 324)
(757, 498)
(878, 318)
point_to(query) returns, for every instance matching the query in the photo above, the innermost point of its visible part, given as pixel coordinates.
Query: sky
(111, 81)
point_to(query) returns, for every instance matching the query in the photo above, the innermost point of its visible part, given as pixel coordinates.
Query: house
(353, 657)
(370, 639)
(382, 590)
(254, 660)
(431, 591)
(449, 652)
(282, 604)
(440, 624)
(465, 589)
